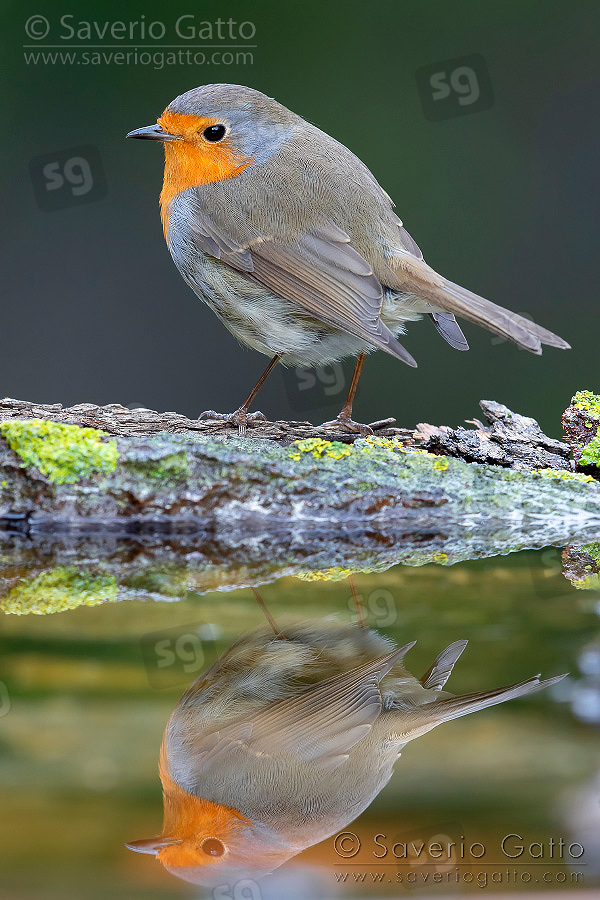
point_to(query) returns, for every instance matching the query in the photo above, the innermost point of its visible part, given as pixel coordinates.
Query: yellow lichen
(563, 475)
(388, 443)
(64, 453)
(588, 402)
(319, 448)
(335, 573)
(441, 558)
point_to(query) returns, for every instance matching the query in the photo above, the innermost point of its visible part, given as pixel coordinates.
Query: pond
(504, 799)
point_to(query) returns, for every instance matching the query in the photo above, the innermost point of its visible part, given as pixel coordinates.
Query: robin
(289, 737)
(287, 236)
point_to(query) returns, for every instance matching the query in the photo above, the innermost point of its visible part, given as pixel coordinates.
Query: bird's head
(208, 843)
(214, 132)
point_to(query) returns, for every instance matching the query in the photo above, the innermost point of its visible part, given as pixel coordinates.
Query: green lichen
(169, 469)
(563, 475)
(592, 550)
(590, 455)
(64, 453)
(57, 590)
(588, 403)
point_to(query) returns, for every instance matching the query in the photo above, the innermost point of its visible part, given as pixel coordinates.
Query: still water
(291, 737)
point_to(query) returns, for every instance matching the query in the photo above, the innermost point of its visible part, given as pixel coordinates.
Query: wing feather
(322, 272)
(319, 725)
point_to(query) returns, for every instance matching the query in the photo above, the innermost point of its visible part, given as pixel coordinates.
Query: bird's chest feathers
(189, 166)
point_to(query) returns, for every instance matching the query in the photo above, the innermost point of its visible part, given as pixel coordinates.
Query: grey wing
(318, 727)
(321, 271)
(408, 243)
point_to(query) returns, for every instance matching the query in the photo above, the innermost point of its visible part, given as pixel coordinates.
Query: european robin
(287, 236)
(287, 738)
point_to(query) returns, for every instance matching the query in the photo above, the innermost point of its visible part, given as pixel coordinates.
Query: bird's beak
(151, 845)
(153, 133)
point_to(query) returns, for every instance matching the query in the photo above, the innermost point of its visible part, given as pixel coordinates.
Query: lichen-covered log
(509, 439)
(59, 476)
(89, 518)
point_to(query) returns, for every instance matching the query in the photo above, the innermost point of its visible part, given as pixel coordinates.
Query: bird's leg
(345, 416)
(360, 613)
(268, 616)
(241, 416)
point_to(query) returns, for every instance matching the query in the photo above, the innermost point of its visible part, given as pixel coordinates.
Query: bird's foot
(347, 423)
(241, 417)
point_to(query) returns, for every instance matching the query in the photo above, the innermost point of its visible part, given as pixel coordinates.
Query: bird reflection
(287, 738)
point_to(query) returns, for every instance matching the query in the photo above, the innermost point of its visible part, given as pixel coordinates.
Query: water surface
(88, 691)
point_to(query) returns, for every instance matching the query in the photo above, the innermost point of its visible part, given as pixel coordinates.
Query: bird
(287, 738)
(288, 237)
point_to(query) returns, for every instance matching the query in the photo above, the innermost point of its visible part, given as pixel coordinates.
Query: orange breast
(186, 815)
(194, 161)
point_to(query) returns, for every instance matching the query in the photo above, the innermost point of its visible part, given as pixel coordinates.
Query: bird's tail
(410, 723)
(454, 707)
(416, 277)
(441, 669)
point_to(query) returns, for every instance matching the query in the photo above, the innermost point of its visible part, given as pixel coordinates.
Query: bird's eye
(214, 133)
(213, 847)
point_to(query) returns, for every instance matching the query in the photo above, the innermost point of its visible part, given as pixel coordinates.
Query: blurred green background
(502, 200)
(79, 746)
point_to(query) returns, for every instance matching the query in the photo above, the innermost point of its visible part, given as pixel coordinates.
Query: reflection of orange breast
(193, 161)
(186, 815)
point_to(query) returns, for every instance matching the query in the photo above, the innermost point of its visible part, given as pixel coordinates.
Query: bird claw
(348, 424)
(241, 417)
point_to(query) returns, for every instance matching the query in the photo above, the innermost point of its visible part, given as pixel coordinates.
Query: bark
(194, 505)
